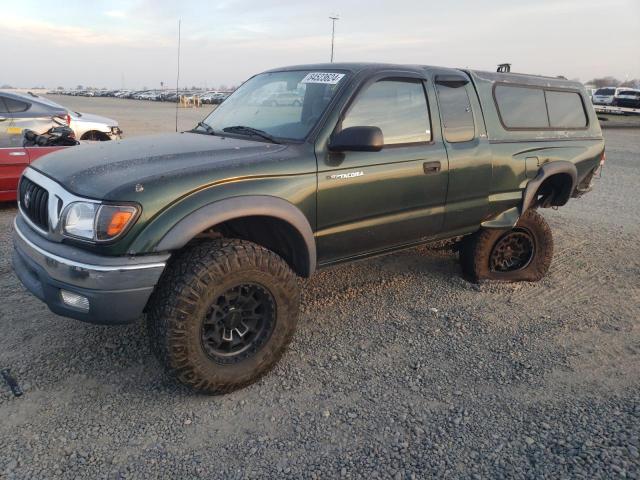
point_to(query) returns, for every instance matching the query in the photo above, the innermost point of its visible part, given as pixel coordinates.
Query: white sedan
(88, 126)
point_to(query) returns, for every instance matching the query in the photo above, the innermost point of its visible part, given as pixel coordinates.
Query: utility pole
(333, 33)
(178, 76)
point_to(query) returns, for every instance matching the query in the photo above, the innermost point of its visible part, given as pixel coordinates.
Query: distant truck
(206, 231)
(624, 97)
(627, 98)
(604, 96)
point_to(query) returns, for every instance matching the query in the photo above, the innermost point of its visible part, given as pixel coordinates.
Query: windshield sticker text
(327, 78)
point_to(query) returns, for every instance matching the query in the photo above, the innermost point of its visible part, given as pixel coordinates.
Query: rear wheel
(523, 253)
(223, 314)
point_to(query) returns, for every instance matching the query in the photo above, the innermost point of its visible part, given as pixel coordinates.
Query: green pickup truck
(206, 231)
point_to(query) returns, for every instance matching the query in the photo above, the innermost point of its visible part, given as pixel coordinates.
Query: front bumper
(115, 133)
(117, 288)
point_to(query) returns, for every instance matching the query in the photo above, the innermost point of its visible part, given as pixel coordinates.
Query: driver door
(369, 202)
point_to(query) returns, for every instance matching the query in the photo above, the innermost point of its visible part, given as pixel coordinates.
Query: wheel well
(272, 233)
(95, 135)
(554, 191)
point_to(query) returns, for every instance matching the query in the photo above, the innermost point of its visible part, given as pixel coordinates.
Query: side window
(522, 107)
(15, 106)
(565, 110)
(3, 107)
(537, 108)
(4, 125)
(456, 113)
(397, 107)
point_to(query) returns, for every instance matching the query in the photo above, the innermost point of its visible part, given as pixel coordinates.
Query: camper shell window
(523, 107)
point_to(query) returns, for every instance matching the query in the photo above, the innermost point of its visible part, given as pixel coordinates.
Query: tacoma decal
(343, 176)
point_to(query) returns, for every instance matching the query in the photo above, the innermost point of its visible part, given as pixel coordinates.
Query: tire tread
(476, 250)
(176, 297)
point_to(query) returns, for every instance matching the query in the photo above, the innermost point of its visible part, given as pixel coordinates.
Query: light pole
(333, 33)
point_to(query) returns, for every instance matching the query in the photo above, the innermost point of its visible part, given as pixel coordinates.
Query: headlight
(79, 220)
(93, 221)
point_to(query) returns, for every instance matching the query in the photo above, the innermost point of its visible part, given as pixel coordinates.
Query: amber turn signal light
(113, 220)
(118, 221)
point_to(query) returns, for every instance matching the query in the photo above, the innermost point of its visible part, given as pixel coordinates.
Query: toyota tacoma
(205, 232)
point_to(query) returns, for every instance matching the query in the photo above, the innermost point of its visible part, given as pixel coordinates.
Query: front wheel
(523, 253)
(223, 314)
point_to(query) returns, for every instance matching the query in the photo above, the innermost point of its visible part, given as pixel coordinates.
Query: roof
(33, 98)
(356, 67)
(511, 77)
(525, 79)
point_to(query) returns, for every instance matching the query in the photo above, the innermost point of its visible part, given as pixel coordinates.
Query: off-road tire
(191, 282)
(476, 251)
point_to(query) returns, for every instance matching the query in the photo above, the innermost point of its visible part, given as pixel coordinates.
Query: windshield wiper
(206, 127)
(241, 129)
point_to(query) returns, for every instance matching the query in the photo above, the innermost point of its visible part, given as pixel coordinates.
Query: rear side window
(397, 107)
(565, 110)
(15, 106)
(3, 107)
(522, 107)
(531, 108)
(456, 113)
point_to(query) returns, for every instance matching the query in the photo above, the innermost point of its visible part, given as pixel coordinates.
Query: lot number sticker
(323, 77)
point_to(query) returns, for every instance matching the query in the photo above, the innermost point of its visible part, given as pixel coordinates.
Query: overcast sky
(134, 42)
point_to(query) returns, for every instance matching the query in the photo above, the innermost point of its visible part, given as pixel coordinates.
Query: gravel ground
(400, 369)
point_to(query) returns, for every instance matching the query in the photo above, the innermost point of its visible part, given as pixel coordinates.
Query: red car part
(12, 163)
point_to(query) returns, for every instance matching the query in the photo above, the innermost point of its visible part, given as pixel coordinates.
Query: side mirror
(357, 139)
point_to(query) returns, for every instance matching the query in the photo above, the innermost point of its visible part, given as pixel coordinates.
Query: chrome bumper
(117, 288)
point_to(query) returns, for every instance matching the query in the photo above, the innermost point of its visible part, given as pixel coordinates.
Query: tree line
(614, 82)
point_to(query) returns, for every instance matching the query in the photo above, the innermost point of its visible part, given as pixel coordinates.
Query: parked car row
(617, 97)
(205, 96)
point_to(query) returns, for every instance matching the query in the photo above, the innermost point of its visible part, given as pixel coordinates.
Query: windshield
(284, 105)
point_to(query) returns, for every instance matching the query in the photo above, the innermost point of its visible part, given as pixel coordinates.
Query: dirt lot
(399, 369)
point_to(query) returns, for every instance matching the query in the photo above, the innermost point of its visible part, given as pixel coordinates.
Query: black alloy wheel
(238, 323)
(514, 251)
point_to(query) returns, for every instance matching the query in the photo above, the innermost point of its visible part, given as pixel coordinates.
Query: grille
(34, 200)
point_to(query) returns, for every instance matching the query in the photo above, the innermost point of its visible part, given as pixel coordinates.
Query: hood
(174, 163)
(91, 118)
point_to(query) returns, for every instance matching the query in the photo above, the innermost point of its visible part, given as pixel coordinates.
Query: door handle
(431, 167)
(17, 154)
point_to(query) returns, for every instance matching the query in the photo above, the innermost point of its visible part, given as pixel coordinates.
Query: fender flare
(547, 170)
(236, 207)
(509, 217)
